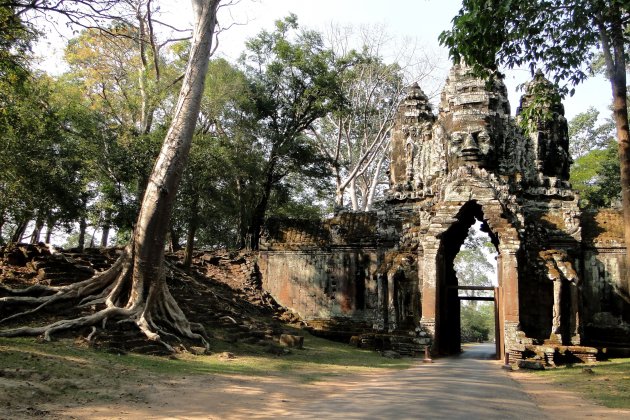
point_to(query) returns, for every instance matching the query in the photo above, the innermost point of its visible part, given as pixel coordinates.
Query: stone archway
(440, 302)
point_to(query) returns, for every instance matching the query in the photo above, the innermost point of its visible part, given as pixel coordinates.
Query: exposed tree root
(157, 314)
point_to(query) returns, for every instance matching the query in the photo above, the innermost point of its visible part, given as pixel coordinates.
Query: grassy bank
(607, 383)
(32, 372)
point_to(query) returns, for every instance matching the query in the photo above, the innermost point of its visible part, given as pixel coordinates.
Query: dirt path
(463, 387)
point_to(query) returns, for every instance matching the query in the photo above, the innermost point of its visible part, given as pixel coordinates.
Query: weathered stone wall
(320, 284)
(323, 270)
(605, 287)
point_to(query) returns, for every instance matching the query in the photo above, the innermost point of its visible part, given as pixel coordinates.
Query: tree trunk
(148, 281)
(82, 229)
(19, 231)
(353, 194)
(2, 221)
(49, 229)
(340, 188)
(105, 235)
(174, 239)
(241, 241)
(614, 56)
(374, 183)
(37, 230)
(258, 215)
(190, 237)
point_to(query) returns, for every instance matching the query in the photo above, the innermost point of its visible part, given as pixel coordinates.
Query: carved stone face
(471, 148)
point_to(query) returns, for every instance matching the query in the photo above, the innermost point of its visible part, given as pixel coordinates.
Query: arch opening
(467, 282)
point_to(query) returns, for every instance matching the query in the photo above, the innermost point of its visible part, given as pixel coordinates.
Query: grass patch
(69, 373)
(608, 384)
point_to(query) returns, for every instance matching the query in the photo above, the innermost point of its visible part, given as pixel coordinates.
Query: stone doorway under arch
(447, 339)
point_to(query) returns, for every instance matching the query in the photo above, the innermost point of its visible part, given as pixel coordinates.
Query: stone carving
(560, 270)
(547, 126)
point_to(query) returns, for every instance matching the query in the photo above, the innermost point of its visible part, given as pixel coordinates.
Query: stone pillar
(429, 293)
(508, 280)
(556, 332)
(380, 322)
(392, 322)
(575, 322)
(420, 267)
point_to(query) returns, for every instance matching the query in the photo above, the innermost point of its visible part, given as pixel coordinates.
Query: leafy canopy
(559, 36)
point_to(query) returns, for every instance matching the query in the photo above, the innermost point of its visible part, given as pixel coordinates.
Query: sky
(419, 21)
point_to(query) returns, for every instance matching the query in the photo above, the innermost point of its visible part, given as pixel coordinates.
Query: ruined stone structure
(561, 273)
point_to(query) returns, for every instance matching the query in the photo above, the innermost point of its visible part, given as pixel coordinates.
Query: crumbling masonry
(389, 274)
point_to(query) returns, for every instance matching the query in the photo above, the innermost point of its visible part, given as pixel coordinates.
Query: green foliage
(477, 322)
(586, 134)
(42, 161)
(595, 175)
(474, 268)
(15, 46)
(473, 262)
(595, 171)
(294, 80)
(558, 35)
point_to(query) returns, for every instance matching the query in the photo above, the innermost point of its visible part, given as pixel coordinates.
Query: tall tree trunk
(339, 187)
(352, 187)
(242, 224)
(82, 229)
(148, 281)
(105, 229)
(37, 230)
(258, 215)
(50, 225)
(20, 228)
(173, 239)
(2, 221)
(369, 202)
(190, 236)
(612, 42)
(105, 235)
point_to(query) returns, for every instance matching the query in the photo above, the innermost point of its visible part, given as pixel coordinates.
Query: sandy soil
(237, 397)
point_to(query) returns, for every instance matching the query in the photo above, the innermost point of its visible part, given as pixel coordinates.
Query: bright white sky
(422, 20)
(418, 19)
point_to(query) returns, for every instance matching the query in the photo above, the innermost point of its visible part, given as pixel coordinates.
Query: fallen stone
(294, 341)
(198, 351)
(531, 364)
(391, 354)
(226, 355)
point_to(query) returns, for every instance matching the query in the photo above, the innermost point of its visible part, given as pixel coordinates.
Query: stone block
(531, 364)
(294, 341)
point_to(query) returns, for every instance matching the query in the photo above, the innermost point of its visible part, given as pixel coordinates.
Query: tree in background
(563, 37)
(595, 168)
(356, 136)
(294, 81)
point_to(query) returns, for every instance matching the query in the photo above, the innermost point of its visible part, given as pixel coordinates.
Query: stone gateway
(387, 276)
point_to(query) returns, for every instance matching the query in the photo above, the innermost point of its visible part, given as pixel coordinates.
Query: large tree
(135, 286)
(294, 81)
(563, 37)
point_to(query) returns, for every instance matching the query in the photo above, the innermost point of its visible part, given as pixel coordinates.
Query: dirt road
(467, 386)
(470, 386)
